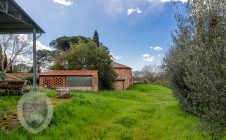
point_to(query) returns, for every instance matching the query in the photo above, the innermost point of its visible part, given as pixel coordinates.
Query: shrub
(2, 75)
(30, 79)
(196, 65)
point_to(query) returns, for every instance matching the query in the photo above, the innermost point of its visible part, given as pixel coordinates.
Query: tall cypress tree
(96, 38)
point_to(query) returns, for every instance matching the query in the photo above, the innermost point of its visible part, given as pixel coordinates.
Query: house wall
(60, 81)
(52, 81)
(95, 82)
(127, 82)
(119, 85)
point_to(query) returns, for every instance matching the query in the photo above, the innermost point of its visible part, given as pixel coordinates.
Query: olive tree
(196, 63)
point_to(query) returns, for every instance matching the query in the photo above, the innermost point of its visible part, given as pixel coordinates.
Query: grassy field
(146, 112)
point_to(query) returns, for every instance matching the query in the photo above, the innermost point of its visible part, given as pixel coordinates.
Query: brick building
(124, 76)
(74, 79)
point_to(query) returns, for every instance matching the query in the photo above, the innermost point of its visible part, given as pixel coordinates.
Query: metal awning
(14, 20)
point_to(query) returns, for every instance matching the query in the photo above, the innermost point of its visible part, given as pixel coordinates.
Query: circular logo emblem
(35, 111)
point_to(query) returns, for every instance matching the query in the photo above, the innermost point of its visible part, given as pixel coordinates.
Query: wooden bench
(63, 92)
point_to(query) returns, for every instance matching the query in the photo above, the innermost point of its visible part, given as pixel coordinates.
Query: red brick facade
(57, 78)
(124, 76)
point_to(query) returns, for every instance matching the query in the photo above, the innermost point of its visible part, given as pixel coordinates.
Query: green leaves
(87, 55)
(2, 75)
(96, 38)
(196, 63)
(44, 58)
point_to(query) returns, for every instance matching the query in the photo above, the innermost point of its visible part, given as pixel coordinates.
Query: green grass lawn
(146, 112)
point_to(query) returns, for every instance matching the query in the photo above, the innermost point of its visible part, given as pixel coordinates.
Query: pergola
(14, 20)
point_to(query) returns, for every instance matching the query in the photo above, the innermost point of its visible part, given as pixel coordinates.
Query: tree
(5, 62)
(96, 38)
(44, 59)
(2, 75)
(196, 63)
(22, 68)
(16, 47)
(1, 57)
(63, 43)
(86, 55)
(149, 72)
(10, 70)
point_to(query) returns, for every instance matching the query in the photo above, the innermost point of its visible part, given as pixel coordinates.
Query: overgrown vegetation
(144, 112)
(196, 64)
(2, 75)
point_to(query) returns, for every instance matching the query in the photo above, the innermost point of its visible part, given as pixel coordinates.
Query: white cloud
(157, 48)
(159, 55)
(120, 7)
(39, 45)
(64, 2)
(27, 57)
(174, 1)
(184, 1)
(135, 10)
(146, 55)
(148, 58)
(116, 57)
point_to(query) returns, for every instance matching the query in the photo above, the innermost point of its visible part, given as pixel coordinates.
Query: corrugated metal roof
(117, 65)
(13, 19)
(69, 73)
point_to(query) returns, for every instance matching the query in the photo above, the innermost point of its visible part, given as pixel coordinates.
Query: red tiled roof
(69, 72)
(117, 65)
(17, 76)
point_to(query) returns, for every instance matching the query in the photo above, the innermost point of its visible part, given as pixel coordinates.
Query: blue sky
(137, 32)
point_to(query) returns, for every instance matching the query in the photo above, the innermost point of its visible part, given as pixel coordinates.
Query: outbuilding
(86, 80)
(124, 76)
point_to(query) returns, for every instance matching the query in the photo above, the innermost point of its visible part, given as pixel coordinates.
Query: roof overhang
(13, 19)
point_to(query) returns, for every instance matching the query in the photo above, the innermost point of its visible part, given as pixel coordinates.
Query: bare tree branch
(15, 47)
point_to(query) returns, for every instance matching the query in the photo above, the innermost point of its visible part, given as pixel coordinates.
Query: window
(79, 81)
